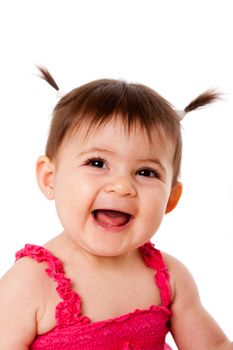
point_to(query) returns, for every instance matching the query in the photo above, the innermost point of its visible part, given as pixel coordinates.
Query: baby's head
(109, 138)
(93, 105)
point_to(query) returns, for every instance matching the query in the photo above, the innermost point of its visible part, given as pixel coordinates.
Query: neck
(79, 255)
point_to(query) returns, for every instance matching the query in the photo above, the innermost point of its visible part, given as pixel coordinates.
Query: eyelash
(155, 172)
(91, 161)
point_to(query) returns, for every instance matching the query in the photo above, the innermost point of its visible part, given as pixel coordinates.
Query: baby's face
(111, 189)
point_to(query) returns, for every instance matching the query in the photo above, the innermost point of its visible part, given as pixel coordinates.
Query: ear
(45, 176)
(174, 198)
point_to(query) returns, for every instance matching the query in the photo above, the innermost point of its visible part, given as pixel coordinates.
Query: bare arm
(18, 307)
(191, 326)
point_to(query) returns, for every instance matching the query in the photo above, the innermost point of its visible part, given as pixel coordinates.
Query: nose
(121, 186)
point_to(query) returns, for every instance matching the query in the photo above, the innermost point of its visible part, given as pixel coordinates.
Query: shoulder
(22, 275)
(26, 271)
(188, 314)
(24, 281)
(22, 291)
(183, 285)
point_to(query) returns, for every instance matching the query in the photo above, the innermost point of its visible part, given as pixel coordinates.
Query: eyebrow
(95, 149)
(151, 160)
(156, 161)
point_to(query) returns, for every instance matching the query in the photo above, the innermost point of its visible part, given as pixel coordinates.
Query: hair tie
(180, 114)
(60, 94)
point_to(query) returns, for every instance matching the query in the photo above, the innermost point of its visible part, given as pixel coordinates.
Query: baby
(111, 165)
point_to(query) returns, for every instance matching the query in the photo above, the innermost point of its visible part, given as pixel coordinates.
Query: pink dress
(138, 330)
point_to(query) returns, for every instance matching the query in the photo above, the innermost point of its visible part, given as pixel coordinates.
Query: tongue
(111, 217)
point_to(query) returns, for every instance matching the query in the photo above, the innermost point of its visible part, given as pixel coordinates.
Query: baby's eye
(96, 162)
(149, 173)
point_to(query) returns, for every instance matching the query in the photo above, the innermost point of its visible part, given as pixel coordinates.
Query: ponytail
(203, 99)
(45, 75)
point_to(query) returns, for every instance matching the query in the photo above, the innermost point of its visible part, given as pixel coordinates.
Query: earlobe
(174, 198)
(45, 176)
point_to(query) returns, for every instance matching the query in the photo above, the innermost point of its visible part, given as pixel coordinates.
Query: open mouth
(108, 218)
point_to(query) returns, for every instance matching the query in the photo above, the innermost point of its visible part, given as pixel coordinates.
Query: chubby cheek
(74, 200)
(153, 210)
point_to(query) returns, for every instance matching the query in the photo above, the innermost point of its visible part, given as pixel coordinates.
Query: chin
(108, 250)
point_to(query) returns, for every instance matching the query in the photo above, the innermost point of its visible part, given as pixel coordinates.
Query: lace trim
(153, 258)
(68, 310)
(125, 317)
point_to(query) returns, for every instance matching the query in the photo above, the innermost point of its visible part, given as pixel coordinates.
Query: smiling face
(111, 188)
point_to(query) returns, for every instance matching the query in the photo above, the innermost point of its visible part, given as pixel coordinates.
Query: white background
(179, 48)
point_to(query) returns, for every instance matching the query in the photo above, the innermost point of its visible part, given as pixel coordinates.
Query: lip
(115, 208)
(108, 228)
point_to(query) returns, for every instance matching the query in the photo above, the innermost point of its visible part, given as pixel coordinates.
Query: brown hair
(96, 103)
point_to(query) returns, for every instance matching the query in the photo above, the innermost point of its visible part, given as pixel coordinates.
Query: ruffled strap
(69, 309)
(153, 258)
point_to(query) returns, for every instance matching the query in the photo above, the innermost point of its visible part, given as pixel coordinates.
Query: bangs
(96, 104)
